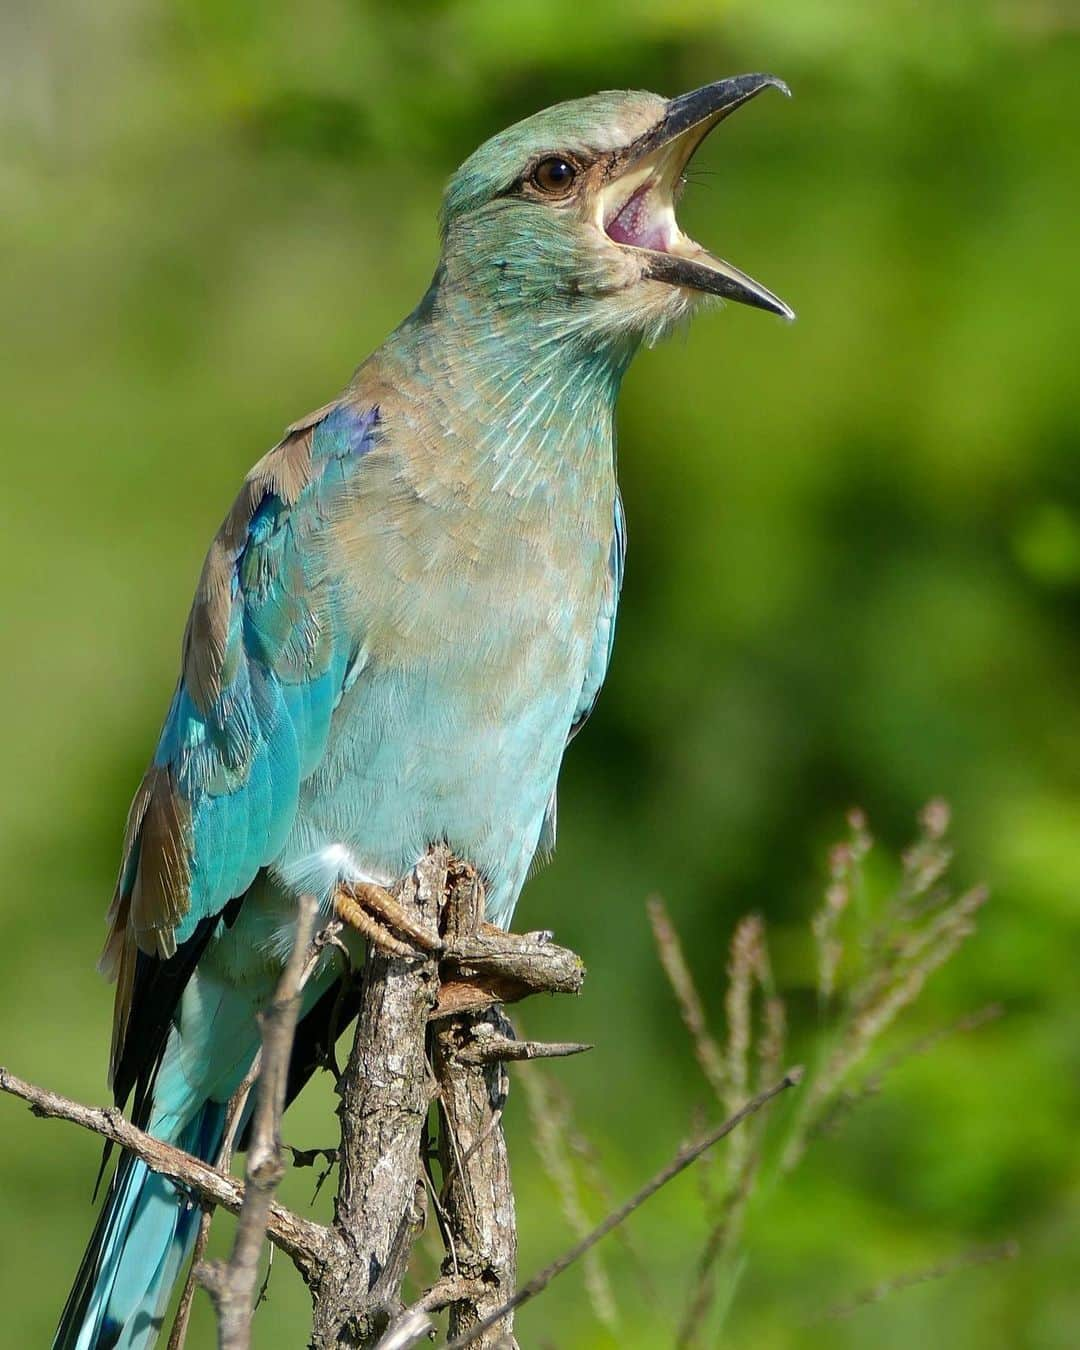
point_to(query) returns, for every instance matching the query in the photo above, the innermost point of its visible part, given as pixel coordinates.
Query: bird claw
(374, 913)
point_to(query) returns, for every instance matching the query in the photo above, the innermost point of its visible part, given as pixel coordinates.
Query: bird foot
(374, 913)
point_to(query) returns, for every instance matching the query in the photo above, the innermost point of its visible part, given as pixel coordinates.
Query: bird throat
(528, 397)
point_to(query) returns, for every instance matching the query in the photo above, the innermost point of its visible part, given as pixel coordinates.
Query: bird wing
(596, 672)
(604, 639)
(265, 658)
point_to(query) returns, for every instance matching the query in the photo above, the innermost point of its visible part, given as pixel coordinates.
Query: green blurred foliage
(854, 570)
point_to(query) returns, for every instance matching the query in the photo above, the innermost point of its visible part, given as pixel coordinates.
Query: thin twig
(721, 1238)
(595, 1182)
(502, 1049)
(178, 1334)
(977, 1256)
(442, 1220)
(308, 1244)
(847, 1100)
(355, 1268)
(233, 1286)
(233, 1114)
(328, 936)
(895, 988)
(679, 1163)
(415, 1324)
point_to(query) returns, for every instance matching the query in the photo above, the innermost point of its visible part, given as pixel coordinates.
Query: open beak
(637, 203)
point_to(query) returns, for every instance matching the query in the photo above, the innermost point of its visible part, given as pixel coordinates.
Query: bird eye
(554, 176)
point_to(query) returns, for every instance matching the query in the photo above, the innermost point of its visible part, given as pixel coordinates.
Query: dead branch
(309, 1245)
(232, 1286)
(388, 1087)
(491, 966)
(354, 1269)
(385, 1093)
(477, 1196)
(496, 1049)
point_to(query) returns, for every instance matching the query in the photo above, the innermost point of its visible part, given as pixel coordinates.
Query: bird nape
(406, 615)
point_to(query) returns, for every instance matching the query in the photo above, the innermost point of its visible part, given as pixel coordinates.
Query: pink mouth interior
(634, 224)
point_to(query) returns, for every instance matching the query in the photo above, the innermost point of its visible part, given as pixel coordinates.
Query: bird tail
(143, 1236)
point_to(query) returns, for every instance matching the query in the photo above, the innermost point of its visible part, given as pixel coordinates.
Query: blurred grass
(853, 568)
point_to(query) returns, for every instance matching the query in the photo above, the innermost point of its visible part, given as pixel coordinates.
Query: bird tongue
(636, 224)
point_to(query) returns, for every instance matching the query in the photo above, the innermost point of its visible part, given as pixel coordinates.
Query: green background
(854, 573)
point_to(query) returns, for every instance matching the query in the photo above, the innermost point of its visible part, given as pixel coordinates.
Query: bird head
(569, 215)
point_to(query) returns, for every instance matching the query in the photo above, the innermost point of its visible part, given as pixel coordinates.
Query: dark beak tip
(754, 84)
(774, 305)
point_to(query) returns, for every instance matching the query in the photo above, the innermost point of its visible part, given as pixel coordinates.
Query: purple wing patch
(347, 431)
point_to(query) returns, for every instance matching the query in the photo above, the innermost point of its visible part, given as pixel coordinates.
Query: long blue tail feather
(143, 1236)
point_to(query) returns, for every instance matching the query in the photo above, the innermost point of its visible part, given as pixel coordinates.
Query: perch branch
(490, 966)
(385, 1092)
(232, 1286)
(355, 1268)
(478, 1195)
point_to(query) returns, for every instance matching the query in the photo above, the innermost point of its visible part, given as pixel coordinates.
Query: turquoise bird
(405, 617)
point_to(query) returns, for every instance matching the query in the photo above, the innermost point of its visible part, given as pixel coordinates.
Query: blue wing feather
(232, 761)
(605, 625)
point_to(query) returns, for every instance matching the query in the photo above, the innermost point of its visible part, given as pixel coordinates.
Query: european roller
(404, 619)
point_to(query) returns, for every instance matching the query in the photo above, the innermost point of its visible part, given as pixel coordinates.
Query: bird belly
(462, 743)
